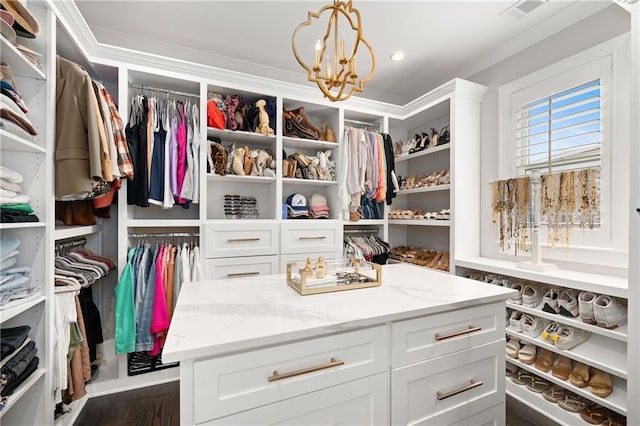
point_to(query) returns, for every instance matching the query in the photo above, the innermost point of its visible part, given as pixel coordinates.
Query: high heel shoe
(434, 138)
(421, 143)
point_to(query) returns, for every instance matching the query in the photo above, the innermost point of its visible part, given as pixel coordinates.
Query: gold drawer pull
(237, 240)
(313, 238)
(470, 386)
(242, 274)
(471, 329)
(277, 376)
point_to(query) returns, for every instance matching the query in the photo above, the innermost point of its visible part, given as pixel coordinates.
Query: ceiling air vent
(522, 8)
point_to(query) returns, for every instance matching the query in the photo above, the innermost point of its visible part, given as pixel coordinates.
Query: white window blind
(560, 132)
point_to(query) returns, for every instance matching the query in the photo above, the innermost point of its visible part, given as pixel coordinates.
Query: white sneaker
(609, 312)
(532, 326)
(585, 305)
(568, 303)
(569, 337)
(550, 330)
(531, 296)
(515, 321)
(550, 301)
(516, 298)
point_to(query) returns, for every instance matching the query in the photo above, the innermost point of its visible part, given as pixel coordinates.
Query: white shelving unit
(308, 182)
(22, 390)
(297, 143)
(241, 179)
(11, 142)
(63, 232)
(19, 64)
(7, 314)
(424, 189)
(424, 152)
(420, 222)
(537, 402)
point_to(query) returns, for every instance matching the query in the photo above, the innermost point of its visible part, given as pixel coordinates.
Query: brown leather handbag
(296, 125)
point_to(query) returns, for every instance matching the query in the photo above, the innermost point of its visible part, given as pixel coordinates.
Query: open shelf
(22, 225)
(424, 189)
(63, 232)
(363, 222)
(600, 352)
(299, 143)
(420, 222)
(162, 223)
(536, 402)
(7, 314)
(19, 63)
(619, 333)
(428, 151)
(11, 142)
(310, 182)
(70, 418)
(23, 389)
(241, 136)
(617, 401)
(240, 179)
(602, 284)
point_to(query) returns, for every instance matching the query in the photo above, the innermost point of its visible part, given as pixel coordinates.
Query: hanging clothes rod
(157, 89)
(361, 232)
(362, 123)
(166, 234)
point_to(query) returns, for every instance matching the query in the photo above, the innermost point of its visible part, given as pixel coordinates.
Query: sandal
(562, 369)
(600, 383)
(579, 376)
(545, 360)
(512, 347)
(527, 354)
(616, 420)
(538, 385)
(522, 377)
(554, 394)
(573, 403)
(444, 214)
(596, 415)
(510, 369)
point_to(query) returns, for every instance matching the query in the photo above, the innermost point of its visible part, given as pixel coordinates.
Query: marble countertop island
(229, 315)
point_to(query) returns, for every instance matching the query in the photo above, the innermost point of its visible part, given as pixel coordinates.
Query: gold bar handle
(470, 386)
(313, 238)
(276, 376)
(242, 274)
(471, 329)
(237, 240)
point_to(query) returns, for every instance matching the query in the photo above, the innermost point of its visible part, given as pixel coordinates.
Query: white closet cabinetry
(32, 401)
(457, 104)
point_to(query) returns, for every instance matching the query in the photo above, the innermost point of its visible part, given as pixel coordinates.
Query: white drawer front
(236, 267)
(423, 338)
(494, 416)
(301, 257)
(361, 402)
(449, 388)
(311, 236)
(235, 383)
(241, 239)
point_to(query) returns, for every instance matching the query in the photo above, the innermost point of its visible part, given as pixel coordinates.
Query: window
(570, 115)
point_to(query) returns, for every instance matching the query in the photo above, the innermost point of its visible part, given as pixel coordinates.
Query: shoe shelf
(583, 281)
(619, 333)
(241, 136)
(310, 182)
(299, 143)
(7, 314)
(428, 151)
(363, 222)
(420, 222)
(23, 388)
(240, 179)
(20, 65)
(598, 351)
(11, 142)
(537, 402)
(68, 419)
(424, 189)
(62, 232)
(22, 225)
(616, 401)
(162, 223)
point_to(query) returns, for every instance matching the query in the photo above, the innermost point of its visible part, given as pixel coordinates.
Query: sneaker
(516, 298)
(550, 301)
(550, 330)
(585, 306)
(515, 321)
(568, 304)
(531, 296)
(532, 326)
(609, 312)
(569, 337)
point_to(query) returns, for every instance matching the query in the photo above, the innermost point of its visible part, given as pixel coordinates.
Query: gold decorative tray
(320, 276)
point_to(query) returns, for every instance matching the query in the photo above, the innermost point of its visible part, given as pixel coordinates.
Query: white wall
(607, 24)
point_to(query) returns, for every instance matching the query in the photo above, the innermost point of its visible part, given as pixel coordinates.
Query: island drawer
(238, 267)
(450, 388)
(311, 236)
(230, 384)
(240, 239)
(420, 339)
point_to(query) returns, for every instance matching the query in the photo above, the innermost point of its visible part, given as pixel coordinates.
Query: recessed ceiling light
(396, 57)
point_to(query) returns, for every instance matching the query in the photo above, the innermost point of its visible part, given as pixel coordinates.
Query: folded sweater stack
(14, 204)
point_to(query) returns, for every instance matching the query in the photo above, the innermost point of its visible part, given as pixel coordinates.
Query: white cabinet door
(360, 402)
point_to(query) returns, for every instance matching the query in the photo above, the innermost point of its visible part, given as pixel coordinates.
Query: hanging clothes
(370, 248)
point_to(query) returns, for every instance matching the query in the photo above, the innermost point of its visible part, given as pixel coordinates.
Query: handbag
(215, 117)
(296, 125)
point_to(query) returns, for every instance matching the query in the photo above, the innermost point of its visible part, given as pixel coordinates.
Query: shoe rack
(422, 214)
(604, 352)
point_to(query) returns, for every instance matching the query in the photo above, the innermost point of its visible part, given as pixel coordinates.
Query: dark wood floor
(152, 406)
(160, 406)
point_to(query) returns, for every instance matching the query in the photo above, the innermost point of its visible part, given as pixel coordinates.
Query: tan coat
(79, 131)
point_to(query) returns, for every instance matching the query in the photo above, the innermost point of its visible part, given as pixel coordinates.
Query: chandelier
(335, 69)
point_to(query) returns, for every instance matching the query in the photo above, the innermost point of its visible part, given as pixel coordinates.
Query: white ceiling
(441, 39)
